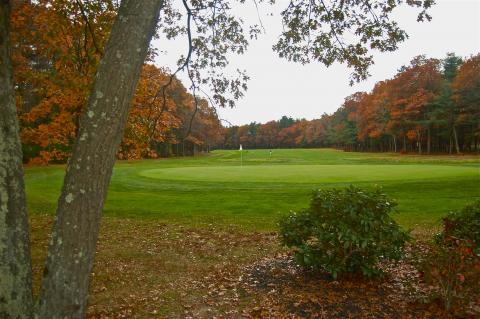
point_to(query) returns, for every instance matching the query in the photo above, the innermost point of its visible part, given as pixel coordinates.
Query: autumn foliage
(57, 47)
(166, 120)
(429, 106)
(453, 261)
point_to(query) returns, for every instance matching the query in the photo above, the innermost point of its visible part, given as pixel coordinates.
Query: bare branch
(84, 15)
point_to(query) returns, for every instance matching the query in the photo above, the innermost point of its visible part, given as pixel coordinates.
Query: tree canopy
(430, 105)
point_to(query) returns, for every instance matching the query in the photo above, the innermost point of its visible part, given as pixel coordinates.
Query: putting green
(310, 173)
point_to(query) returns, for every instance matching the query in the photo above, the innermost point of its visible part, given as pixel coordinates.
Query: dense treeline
(429, 106)
(57, 45)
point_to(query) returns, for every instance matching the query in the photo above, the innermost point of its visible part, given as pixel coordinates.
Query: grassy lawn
(216, 189)
(194, 237)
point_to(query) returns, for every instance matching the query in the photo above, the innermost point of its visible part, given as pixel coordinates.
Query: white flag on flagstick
(241, 155)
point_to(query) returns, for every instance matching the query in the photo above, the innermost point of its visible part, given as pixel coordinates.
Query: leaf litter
(150, 269)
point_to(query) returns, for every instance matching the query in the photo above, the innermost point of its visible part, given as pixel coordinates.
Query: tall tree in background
(466, 93)
(446, 111)
(57, 47)
(152, 117)
(348, 112)
(267, 134)
(316, 131)
(373, 115)
(416, 87)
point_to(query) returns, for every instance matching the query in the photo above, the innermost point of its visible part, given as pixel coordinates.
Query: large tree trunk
(65, 284)
(15, 265)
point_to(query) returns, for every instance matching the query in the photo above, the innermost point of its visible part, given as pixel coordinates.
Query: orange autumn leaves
(165, 120)
(151, 117)
(397, 106)
(431, 105)
(57, 45)
(55, 57)
(466, 87)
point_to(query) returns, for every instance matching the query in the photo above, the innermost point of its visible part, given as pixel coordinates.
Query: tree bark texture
(65, 284)
(15, 264)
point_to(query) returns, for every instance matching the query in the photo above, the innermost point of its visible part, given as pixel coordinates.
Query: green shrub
(453, 261)
(344, 231)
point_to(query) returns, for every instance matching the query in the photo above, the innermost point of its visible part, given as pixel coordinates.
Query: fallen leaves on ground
(149, 269)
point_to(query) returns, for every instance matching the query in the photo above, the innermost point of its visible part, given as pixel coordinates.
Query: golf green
(215, 189)
(310, 173)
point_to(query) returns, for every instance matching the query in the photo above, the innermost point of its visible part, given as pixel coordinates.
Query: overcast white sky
(278, 87)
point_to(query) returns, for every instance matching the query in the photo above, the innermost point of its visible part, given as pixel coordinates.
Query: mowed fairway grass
(217, 189)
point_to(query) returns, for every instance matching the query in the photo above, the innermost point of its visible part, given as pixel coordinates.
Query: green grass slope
(217, 189)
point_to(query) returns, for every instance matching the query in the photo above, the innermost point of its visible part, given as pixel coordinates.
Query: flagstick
(241, 155)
